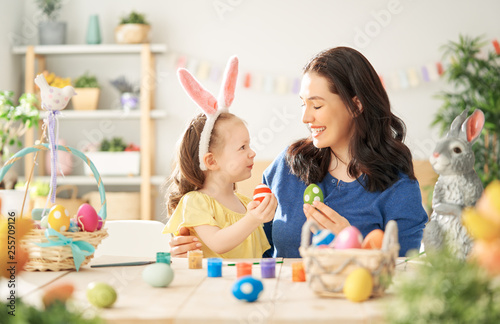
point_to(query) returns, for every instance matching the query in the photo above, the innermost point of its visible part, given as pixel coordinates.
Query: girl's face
(327, 117)
(234, 157)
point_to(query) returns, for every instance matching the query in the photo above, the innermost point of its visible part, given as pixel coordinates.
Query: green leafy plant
(57, 313)
(445, 290)
(116, 144)
(475, 78)
(50, 8)
(87, 81)
(15, 120)
(134, 18)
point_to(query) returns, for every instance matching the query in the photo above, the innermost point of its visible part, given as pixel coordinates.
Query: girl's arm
(225, 239)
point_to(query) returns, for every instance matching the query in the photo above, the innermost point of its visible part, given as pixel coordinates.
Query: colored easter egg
(101, 294)
(487, 255)
(158, 274)
(247, 288)
(349, 238)
(73, 226)
(322, 237)
(59, 219)
(260, 192)
(373, 240)
(99, 223)
(60, 292)
(313, 192)
(87, 218)
(358, 286)
(44, 222)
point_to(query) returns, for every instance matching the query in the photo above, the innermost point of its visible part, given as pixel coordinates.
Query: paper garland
(400, 79)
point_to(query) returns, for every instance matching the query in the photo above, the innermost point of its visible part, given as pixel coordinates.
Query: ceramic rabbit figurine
(458, 185)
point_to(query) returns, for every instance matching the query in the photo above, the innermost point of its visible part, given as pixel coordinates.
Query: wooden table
(193, 297)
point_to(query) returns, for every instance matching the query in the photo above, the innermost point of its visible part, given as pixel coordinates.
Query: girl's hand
(182, 243)
(263, 212)
(326, 217)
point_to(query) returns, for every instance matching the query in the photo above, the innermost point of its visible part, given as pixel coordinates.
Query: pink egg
(99, 223)
(349, 238)
(87, 218)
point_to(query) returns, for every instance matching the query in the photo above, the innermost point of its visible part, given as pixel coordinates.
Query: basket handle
(305, 237)
(45, 147)
(390, 235)
(72, 188)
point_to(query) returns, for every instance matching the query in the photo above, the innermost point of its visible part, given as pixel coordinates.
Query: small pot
(132, 33)
(129, 100)
(52, 32)
(86, 98)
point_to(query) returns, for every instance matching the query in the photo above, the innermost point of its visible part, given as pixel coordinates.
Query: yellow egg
(59, 218)
(480, 227)
(358, 285)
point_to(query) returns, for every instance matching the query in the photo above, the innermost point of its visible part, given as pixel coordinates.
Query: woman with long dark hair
(355, 154)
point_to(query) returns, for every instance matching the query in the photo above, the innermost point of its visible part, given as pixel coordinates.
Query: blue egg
(247, 288)
(73, 226)
(322, 237)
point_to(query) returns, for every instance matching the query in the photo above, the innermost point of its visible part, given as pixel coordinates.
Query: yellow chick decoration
(483, 224)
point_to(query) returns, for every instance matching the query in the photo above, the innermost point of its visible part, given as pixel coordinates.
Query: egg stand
(49, 249)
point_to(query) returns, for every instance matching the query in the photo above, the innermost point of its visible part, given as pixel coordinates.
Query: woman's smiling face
(324, 112)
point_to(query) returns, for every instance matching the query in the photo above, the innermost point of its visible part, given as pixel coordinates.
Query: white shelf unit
(35, 60)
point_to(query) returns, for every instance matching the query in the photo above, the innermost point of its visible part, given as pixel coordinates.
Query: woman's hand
(326, 217)
(182, 243)
(263, 212)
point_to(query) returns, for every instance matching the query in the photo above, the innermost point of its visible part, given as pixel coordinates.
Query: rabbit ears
(206, 101)
(203, 98)
(467, 128)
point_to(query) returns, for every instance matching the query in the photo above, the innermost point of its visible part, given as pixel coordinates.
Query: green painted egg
(313, 192)
(101, 294)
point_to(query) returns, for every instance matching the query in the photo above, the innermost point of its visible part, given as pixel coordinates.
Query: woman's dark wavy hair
(376, 148)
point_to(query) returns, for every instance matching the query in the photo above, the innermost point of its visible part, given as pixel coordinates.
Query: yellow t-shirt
(196, 208)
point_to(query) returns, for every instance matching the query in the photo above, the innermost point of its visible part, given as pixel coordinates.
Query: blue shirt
(363, 209)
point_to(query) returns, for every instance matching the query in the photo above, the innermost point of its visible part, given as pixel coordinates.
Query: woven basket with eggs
(328, 269)
(56, 251)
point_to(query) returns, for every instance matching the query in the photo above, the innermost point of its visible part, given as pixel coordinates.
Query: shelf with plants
(35, 63)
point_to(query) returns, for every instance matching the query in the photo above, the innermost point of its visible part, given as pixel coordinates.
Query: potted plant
(114, 158)
(133, 29)
(475, 77)
(50, 30)
(88, 89)
(14, 122)
(129, 94)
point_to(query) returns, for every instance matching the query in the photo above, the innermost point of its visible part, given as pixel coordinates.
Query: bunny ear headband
(210, 106)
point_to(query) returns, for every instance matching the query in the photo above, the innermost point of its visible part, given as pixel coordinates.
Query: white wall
(273, 38)
(11, 25)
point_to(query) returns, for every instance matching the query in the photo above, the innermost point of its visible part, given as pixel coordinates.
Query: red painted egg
(260, 192)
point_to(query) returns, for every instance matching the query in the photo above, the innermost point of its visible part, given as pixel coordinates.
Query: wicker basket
(327, 269)
(58, 258)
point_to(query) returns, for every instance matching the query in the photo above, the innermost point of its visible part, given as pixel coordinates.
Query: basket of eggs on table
(347, 265)
(56, 240)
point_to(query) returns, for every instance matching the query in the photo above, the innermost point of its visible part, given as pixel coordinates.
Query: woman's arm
(326, 217)
(225, 239)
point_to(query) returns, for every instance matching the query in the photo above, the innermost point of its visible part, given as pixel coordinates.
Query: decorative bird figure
(53, 100)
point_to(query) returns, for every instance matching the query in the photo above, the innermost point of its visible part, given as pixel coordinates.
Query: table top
(192, 297)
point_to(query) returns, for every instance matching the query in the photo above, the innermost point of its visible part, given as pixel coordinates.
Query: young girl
(213, 155)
